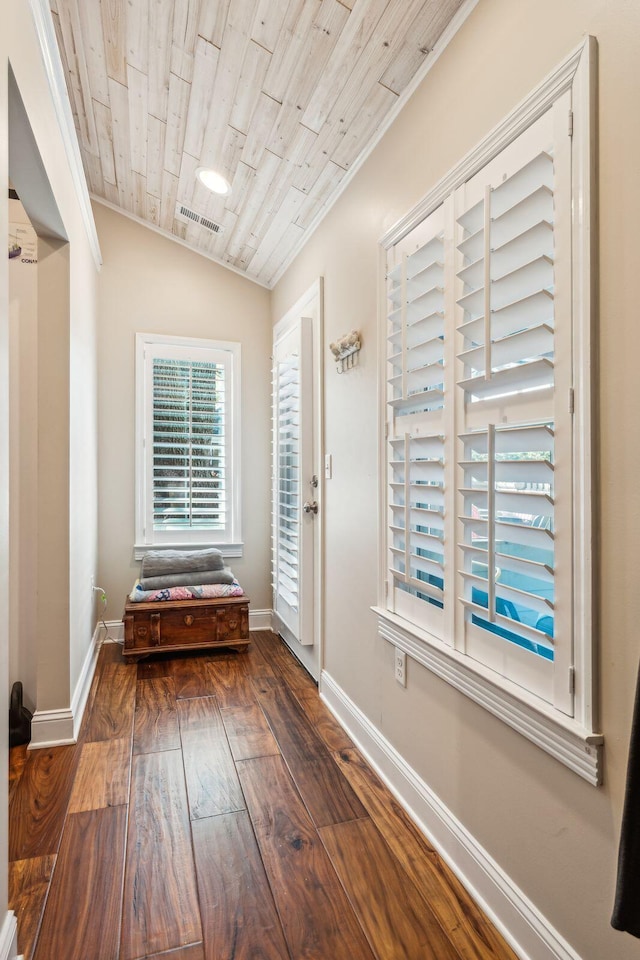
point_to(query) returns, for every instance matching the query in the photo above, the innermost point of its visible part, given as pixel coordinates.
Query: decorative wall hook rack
(345, 350)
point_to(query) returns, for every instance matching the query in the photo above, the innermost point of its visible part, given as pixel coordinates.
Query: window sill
(227, 549)
(560, 736)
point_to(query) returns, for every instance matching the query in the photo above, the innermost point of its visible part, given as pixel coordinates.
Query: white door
(294, 501)
(296, 491)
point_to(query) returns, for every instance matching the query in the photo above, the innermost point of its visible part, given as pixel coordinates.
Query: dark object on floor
(19, 718)
(626, 908)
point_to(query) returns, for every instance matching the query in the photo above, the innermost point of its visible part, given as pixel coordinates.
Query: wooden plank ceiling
(280, 96)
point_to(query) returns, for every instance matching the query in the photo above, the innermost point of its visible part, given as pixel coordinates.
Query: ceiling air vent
(190, 216)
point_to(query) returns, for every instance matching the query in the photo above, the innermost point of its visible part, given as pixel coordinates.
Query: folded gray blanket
(187, 579)
(157, 563)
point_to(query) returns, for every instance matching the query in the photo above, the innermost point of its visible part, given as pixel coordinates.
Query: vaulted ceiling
(283, 97)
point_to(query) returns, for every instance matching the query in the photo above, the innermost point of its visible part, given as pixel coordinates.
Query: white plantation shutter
(479, 427)
(292, 528)
(287, 500)
(189, 448)
(514, 323)
(187, 438)
(415, 425)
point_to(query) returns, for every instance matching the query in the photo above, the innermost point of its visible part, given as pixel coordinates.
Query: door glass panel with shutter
(293, 528)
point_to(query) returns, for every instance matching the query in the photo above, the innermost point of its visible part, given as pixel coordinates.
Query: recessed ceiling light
(213, 181)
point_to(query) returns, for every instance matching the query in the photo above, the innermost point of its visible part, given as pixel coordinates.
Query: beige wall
(555, 835)
(4, 482)
(23, 459)
(150, 284)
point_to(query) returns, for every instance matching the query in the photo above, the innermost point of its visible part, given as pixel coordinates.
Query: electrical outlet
(328, 466)
(401, 667)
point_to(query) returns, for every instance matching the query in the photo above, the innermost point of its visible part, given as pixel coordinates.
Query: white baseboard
(9, 937)
(260, 619)
(81, 692)
(521, 923)
(55, 728)
(115, 630)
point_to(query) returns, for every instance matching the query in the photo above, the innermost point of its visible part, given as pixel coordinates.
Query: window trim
(575, 741)
(233, 546)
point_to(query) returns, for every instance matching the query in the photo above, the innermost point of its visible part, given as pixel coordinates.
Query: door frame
(311, 304)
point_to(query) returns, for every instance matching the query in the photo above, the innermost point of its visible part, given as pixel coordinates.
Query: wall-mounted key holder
(345, 350)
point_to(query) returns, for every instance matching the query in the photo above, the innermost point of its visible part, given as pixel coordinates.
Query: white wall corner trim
(518, 919)
(9, 937)
(260, 619)
(563, 739)
(45, 30)
(55, 728)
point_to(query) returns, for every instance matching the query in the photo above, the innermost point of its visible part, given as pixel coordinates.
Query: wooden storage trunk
(184, 625)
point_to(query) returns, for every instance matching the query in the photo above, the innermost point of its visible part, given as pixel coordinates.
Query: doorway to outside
(298, 479)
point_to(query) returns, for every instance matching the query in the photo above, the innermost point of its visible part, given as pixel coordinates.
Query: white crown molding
(55, 75)
(440, 46)
(9, 937)
(576, 748)
(527, 111)
(171, 236)
(521, 923)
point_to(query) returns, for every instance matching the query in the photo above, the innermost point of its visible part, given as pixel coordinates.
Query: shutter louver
(189, 470)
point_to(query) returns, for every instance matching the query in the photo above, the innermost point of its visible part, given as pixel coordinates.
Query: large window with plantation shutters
(187, 477)
(487, 486)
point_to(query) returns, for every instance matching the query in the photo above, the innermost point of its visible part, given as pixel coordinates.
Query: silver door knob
(310, 506)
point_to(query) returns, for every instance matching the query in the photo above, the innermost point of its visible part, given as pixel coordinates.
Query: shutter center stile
(488, 373)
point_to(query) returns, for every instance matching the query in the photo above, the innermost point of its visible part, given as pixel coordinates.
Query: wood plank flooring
(213, 809)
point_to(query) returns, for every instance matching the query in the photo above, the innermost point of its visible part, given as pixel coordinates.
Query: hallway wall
(150, 284)
(23, 458)
(553, 834)
(68, 645)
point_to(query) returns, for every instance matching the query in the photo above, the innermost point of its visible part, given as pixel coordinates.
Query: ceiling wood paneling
(281, 96)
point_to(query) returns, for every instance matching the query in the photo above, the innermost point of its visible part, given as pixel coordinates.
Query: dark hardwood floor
(213, 809)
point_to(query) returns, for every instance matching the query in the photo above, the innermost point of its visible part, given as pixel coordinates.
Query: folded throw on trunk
(156, 563)
(187, 579)
(207, 591)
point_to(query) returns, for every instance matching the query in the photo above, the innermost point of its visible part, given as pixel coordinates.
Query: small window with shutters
(487, 491)
(187, 425)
